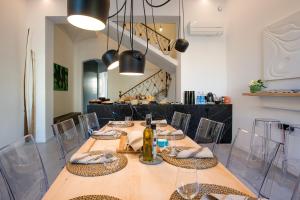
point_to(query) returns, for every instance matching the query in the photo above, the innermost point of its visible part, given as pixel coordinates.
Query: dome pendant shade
(111, 59)
(181, 45)
(88, 14)
(132, 63)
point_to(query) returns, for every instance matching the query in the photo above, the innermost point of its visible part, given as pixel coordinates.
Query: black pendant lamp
(181, 44)
(132, 63)
(88, 14)
(111, 59)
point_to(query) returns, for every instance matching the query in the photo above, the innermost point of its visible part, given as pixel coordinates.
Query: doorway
(94, 81)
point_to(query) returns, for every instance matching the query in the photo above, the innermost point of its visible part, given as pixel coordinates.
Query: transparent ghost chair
(253, 166)
(89, 123)
(23, 169)
(209, 133)
(67, 137)
(181, 121)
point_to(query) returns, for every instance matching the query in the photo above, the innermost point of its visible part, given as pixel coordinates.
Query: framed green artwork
(60, 78)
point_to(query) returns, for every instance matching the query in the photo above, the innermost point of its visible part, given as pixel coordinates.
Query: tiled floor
(281, 189)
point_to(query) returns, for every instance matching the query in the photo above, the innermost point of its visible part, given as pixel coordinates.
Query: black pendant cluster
(93, 15)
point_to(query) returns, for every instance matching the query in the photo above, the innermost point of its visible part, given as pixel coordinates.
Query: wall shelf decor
(272, 94)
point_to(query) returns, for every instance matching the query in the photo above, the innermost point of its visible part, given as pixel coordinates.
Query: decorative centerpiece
(256, 86)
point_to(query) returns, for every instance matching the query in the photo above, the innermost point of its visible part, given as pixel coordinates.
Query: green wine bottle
(148, 142)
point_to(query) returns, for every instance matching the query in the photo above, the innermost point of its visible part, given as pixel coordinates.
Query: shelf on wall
(269, 94)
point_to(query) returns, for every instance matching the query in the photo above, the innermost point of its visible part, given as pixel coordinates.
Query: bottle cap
(153, 126)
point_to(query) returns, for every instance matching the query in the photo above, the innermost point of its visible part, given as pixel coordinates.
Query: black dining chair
(23, 169)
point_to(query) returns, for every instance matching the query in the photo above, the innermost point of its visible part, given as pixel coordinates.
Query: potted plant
(256, 85)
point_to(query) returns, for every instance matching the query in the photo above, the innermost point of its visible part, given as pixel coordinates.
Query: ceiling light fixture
(132, 62)
(88, 14)
(181, 44)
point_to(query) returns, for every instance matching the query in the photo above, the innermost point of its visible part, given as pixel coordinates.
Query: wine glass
(187, 183)
(128, 120)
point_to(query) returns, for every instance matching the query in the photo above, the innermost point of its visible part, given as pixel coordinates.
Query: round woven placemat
(91, 170)
(111, 124)
(109, 137)
(95, 197)
(189, 163)
(157, 124)
(210, 189)
(171, 137)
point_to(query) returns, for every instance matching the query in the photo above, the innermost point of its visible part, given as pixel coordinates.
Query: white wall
(12, 57)
(245, 23)
(203, 65)
(63, 55)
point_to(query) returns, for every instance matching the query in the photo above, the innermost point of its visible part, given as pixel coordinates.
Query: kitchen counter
(220, 113)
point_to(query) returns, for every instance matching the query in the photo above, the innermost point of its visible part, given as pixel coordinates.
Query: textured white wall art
(281, 43)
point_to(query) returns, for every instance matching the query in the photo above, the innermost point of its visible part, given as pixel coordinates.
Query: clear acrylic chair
(67, 136)
(251, 166)
(209, 133)
(4, 189)
(89, 123)
(296, 192)
(83, 127)
(176, 119)
(181, 121)
(23, 169)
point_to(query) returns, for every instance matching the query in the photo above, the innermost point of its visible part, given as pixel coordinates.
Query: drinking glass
(187, 183)
(128, 120)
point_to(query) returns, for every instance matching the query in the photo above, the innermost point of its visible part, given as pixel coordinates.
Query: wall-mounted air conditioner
(197, 28)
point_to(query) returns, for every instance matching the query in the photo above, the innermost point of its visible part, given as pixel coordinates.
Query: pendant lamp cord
(117, 5)
(179, 19)
(131, 25)
(157, 6)
(156, 35)
(118, 11)
(183, 24)
(145, 18)
(124, 25)
(107, 35)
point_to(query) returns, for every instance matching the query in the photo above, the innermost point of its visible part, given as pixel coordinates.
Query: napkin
(195, 153)
(87, 158)
(135, 140)
(177, 132)
(105, 133)
(231, 197)
(163, 121)
(117, 122)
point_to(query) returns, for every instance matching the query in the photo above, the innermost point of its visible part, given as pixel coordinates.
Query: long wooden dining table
(136, 181)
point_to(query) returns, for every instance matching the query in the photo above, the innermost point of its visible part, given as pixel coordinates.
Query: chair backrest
(67, 136)
(23, 169)
(209, 131)
(89, 123)
(176, 120)
(251, 157)
(5, 193)
(296, 192)
(181, 121)
(83, 127)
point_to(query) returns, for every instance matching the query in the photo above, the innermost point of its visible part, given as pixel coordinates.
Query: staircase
(154, 55)
(156, 85)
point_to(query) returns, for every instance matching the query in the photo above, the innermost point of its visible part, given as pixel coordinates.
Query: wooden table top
(136, 181)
